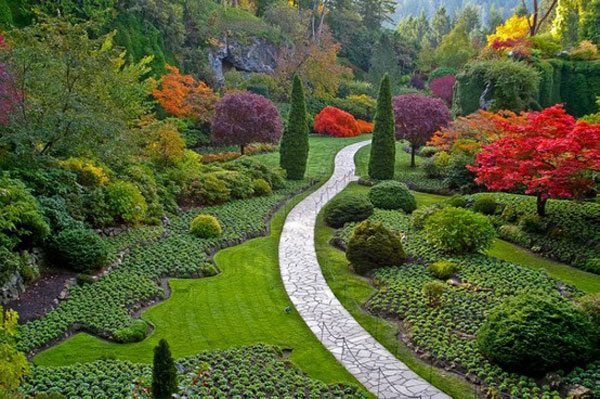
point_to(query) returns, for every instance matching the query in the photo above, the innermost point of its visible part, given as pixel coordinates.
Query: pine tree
(294, 143)
(383, 147)
(164, 372)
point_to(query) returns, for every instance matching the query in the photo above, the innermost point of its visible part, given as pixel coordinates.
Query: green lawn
(243, 305)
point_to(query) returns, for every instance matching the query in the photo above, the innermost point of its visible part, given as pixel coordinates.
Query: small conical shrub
(164, 372)
(294, 143)
(383, 147)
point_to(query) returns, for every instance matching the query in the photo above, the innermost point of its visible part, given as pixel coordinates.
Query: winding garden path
(373, 365)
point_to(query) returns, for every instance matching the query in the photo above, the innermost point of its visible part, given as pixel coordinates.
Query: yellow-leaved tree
(13, 364)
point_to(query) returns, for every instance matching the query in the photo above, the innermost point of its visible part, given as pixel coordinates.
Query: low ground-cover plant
(392, 195)
(372, 245)
(252, 372)
(347, 208)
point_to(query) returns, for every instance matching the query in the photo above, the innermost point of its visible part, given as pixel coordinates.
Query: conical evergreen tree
(294, 143)
(164, 372)
(383, 147)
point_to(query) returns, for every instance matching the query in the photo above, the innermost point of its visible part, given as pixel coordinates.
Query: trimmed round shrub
(534, 333)
(458, 231)
(205, 226)
(442, 269)
(347, 208)
(392, 194)
(262, 187)
(485, 204)
(81, 250)
(420, 215)
(372, 245)
(126, 202)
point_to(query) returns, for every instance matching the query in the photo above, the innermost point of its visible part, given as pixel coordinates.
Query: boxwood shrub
(347, 208)
(372, 245)
(534, 333)
(205, 226)
(392, 194)
(81, 250)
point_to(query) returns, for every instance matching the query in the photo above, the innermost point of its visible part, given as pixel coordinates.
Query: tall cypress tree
(383, 146)
(164, 372)
(294, 143)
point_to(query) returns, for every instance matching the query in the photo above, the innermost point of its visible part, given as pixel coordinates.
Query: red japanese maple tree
(549, 155)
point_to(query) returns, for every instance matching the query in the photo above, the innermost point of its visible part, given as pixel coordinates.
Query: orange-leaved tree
(185, 97)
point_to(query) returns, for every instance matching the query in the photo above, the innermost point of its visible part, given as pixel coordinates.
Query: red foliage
(364, 126)
(335, 122)
(548, 155)
(242, 118)
(443, 87)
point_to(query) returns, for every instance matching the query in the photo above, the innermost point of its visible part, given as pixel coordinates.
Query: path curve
(373, 365)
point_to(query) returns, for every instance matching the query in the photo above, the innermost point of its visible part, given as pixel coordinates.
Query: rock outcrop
(251, 55)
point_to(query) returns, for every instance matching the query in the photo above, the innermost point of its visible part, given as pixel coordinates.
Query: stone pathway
(373, 365)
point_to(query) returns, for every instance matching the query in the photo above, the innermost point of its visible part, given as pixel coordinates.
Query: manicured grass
(586, 282)
(353, 290)
(243, 305)
(320, 155)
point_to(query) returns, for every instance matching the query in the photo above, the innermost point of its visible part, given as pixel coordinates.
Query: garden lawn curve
(373, 365)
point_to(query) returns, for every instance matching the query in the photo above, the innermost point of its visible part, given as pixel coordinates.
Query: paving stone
(373, 365)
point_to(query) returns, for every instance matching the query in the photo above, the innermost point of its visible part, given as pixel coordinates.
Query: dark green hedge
(574, 83)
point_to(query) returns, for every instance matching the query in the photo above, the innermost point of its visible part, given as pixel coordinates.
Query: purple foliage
(418, 117)
(242, 118)
(417, 81)
(443, 87)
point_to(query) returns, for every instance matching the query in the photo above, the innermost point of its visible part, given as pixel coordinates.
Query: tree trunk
(413, 151)
(541, 205)
(242, 148)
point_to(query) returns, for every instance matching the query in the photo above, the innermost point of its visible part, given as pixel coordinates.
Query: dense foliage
(392, 195)
(547, 155)
(242, 118)
(417, 118)
(382, 158)
(534, 334)
(81, 250)
(347, 208)
(335, 122)
(372, 245)
(205, 226)
(294, 142)
(458, 231)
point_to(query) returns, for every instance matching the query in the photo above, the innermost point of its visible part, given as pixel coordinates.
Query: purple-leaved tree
(242, 118)
(417, 118)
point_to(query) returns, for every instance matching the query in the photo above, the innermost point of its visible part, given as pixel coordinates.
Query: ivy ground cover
(258, 371)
